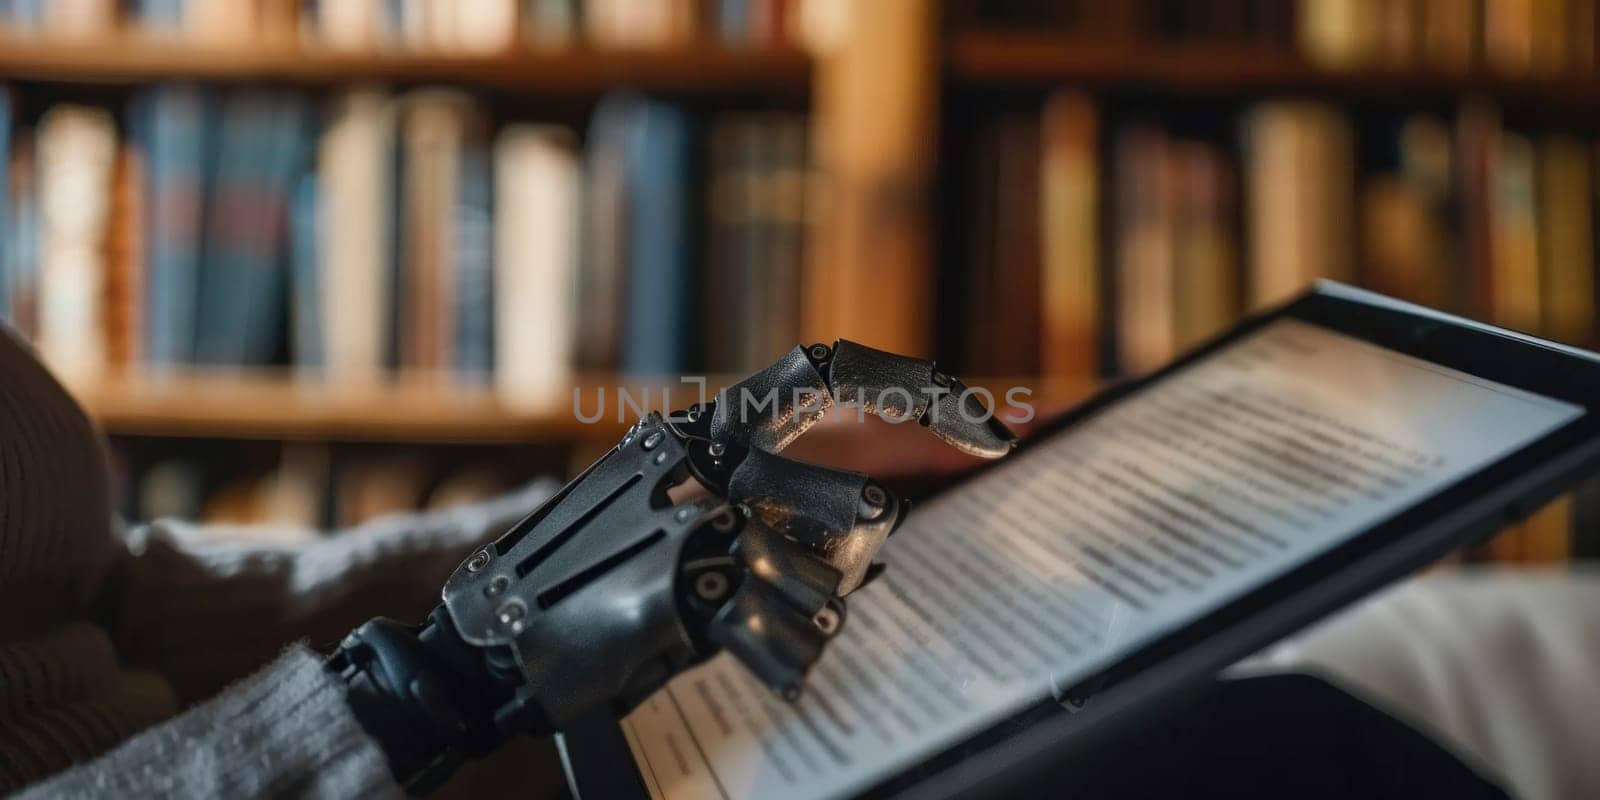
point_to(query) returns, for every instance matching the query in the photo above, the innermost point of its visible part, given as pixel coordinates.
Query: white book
(349, 24)
(1299, 167)
(485, 26)
(77, 147)
(79, 19)
(353, 254)
(536, 177)
(222, 22)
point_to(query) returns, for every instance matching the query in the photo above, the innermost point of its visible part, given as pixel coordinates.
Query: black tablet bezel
(1478, 505)
(1036, 739)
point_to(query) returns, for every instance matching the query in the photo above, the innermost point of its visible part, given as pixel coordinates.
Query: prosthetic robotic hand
(691, 536)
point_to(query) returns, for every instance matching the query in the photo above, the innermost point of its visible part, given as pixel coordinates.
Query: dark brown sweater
(108, 634)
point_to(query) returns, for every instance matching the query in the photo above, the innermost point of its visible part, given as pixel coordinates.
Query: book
(1514, 261)
(1477, 145)
(352, 25)
(1205, 254)
(21, 249)
(474, 314)
(604, 236)
(163, 18)
(485, 26)
(243, 280)
(125, 279)
(537, 184)
(221, 23)
(77, 19)
(1299, 167)
(172, 124)
(549, 24)
(1070, 285)
(355, 168)
(433, 133)
(76, 151)
(1002, 290)
(733, 242)
(756, 218)
(1337, 34)
(786, 180)
(306, 325)
(1448, 36)
(1146, 334)
(1566, 190)
(1406, 241)
(657, 152)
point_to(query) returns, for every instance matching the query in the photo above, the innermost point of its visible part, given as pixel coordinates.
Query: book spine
(22, 249)
(537, 187)
(355, 168)
(1514, 289)
(1300, 171)
(754, 242)
(787, 193)
(658, 297)
(306, 283)
(77, 149)
(1069, 238)
(727, 208)
(243, 279)
(1566, 240)
(1146, 319)
(125, 261)
(474, 262)
(1205, 270)
(172, 121)
(605, 237)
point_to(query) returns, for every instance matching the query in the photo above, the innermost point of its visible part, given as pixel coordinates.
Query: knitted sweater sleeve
(204, 610)
(284, 731)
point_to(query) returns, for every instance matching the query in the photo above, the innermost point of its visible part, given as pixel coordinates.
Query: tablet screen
(1060, 561)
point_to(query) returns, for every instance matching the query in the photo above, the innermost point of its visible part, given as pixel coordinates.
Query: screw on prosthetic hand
(692, 535)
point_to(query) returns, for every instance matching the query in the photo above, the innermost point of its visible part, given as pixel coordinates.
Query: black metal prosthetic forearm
(691, 536)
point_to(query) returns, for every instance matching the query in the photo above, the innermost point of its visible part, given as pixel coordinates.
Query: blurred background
(313, 260)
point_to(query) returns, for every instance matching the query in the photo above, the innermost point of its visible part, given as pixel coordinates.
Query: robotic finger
(691, 536)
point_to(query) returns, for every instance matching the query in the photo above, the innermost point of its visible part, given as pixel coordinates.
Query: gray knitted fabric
(104, 634)
(285, 731)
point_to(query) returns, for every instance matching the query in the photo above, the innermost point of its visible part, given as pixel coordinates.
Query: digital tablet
(1155, 535)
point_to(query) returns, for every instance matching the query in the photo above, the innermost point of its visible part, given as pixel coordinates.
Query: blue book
(734, 21)
(171, 123)
(165, 16)
(305, 279)
(22, 14)
(243, 278)
(659, 285)
(474, 264)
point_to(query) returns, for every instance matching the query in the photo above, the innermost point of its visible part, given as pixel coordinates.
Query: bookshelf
(999, 59)
(268, 405)
(898, 101)
(130, 59)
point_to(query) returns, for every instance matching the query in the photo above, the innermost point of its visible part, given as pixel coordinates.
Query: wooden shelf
(988, 59)
(129, 59)
(423, 409)
(271, 405)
